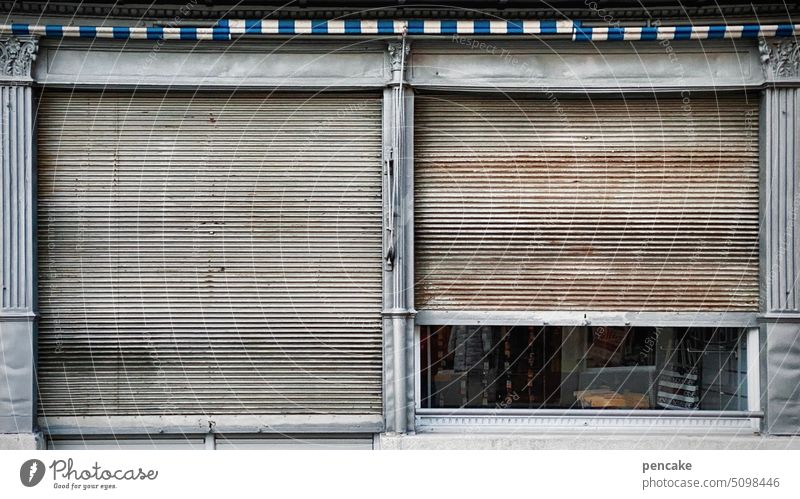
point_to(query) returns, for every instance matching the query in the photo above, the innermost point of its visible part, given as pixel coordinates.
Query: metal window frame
(429, 420)
(526, 420)
(304, 78)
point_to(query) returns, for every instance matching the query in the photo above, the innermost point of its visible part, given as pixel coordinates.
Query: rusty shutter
(209, 254)
(577, 204)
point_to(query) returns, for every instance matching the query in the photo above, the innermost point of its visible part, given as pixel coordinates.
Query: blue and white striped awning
(233, 29)
(687, 32)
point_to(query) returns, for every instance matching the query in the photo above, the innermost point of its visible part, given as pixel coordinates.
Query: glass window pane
(535, 367)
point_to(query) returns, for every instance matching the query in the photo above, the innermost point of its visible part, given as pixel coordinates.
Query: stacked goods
(678, 388)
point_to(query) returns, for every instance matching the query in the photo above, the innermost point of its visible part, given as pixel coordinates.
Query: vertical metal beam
(781, 377)
(780, 199)
(780, 255)
(210, 441)
(388, 275)
(753, 375)
(407, 207)
(396, 257)
(17, 238)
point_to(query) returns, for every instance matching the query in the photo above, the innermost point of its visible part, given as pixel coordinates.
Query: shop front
(208, 243)
(583, 209)
(365, 232)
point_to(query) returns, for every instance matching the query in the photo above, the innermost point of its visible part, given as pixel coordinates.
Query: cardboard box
(606, 399)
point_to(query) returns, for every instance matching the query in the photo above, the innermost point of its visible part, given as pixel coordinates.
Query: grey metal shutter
(577, 204)
(209, 253)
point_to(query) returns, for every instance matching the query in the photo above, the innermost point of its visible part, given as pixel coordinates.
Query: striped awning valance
(232, 29)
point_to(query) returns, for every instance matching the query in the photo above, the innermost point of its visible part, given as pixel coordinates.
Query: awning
(226, 30)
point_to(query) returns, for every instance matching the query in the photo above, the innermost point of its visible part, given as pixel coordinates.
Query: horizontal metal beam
(589, 413)
(779, 317)
(517, 65)
(272, 423)
(574, 318)
(16, 315)
(242, 65)
(578, 425)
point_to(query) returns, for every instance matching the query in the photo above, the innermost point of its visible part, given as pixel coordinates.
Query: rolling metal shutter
(209, 254)
(586, 204)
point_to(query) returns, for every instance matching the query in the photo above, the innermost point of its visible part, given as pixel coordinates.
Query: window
(592, 367)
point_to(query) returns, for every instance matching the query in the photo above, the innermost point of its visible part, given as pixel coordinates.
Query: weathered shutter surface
(209, 254)
(586, 204)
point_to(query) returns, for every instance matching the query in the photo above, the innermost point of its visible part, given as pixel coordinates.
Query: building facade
(400, 227)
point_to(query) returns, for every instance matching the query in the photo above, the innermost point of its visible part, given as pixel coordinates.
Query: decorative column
(17, 251)
(780, 247)
(398, 194)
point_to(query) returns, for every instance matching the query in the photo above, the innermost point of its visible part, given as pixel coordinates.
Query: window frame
(471, 419)
(477, 419)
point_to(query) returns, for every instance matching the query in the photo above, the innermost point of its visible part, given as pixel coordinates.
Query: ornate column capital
(16, 57)
(397, 55)
(780, 59)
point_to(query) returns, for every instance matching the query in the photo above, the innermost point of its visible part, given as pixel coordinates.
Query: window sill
(482, 420)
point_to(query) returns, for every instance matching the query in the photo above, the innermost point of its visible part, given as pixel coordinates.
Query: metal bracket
(389, 172)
